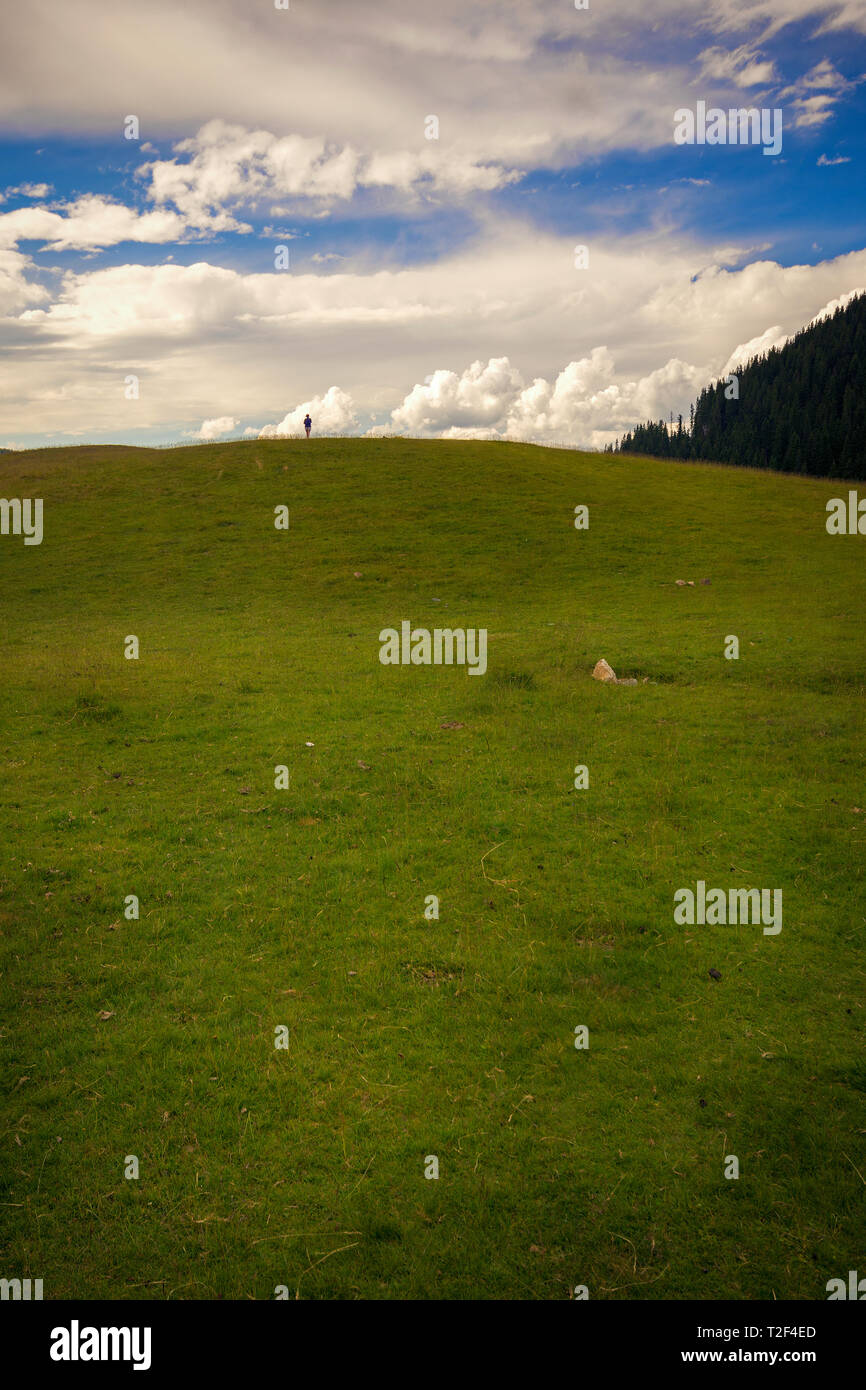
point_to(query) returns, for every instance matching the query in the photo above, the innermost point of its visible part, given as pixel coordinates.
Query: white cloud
(472, 399)
(824, 161)
(813, 96)
(776, 338)
(670, 312)
(18, 292)
(823, 77)
(146, 302)
(586, 81)
(332, 413)
(774, 15)
(829, 309)
(88, 224)
(225, 167)
(214, 429)
(461, 432)
(771, 338)
(587, 402)
(28, 190)
(322, 105)
(812, 111)
(743, 66)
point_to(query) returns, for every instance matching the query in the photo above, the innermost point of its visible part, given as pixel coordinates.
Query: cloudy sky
(467, 218)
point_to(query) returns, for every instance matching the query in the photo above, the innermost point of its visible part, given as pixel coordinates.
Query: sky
(469, 219)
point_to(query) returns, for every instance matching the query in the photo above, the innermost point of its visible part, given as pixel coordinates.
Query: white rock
(603, 672)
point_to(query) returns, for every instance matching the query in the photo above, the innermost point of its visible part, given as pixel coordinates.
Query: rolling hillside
(302, 1169)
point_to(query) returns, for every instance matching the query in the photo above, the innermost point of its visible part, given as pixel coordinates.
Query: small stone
(681, 583)
(627, 680)
(715, 974)
(603, 672)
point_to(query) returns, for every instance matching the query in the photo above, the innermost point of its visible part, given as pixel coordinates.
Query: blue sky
(432, 285)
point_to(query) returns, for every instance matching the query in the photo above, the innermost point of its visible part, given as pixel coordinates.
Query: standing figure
(308, 424)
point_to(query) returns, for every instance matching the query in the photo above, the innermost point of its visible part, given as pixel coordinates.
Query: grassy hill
(304, 1167)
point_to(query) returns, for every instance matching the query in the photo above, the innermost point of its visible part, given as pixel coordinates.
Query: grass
(304, 1168)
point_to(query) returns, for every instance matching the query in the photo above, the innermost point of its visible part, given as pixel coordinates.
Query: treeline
(796, 409)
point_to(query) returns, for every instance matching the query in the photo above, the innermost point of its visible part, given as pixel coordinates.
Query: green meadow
(302, 1169)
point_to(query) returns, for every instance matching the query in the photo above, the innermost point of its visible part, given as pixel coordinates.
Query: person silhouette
(308, 425)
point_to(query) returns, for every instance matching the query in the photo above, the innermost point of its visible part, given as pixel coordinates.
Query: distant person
(308, 425)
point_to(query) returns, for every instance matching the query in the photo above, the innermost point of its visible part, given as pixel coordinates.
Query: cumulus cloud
(18, 292)
(756, 347)
(216, 428)
(322, 106)
(591, 401)
(28, 190)
(473, 399)
(491, 401)
(149, 302)
(88, 224)
(829, 309)
(332, 413)
(508, 324)
(587, 402)
(226, 167)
